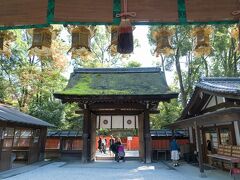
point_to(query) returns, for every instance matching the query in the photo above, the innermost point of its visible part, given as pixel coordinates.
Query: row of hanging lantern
(163, 35)
(81, 37)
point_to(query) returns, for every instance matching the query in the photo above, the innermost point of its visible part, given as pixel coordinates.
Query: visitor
(100, 144)
(174, 147)
(104, 144)
(115, 147)
(120, 153)
(111, 143)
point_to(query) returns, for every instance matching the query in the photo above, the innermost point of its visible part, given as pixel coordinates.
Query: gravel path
(108, 170)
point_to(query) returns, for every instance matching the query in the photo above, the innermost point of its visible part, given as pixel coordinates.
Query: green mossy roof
(119, 81)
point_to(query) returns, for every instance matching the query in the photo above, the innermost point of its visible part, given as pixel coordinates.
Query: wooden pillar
(141, 137)
(200, 151)
(93, 136)
(237, 134)
(147, 138)
(42, 139)
(86, 136)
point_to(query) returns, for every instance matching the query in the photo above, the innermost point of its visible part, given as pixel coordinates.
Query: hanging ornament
(125, 31)
(42, 41)
(81, 38)
(6, 38)
(202, 35)
(235, 33)
(114, 39)
(162, 36)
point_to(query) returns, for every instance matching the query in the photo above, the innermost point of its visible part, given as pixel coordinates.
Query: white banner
(129, 122)
(105, 122)
(117, 122)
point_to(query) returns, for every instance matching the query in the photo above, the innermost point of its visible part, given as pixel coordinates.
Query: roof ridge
(118, 70)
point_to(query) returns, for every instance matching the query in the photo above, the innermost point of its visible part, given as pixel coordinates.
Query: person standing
(100, 144)
(111, 143)
(104, 144)
(174, 147)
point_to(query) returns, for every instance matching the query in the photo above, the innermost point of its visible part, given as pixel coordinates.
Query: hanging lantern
(235, 33)
(202, 35)
(114, 39)
(162, 36)
(81, 38)
(6, 38)
(42, 41)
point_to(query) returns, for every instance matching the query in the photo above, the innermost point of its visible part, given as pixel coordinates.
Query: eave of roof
(10, 114)
(228, 87)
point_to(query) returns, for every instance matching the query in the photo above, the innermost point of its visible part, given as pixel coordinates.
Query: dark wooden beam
(115, 98)
(219, 106)
(221, 116)
(133, 106)
(122, 112)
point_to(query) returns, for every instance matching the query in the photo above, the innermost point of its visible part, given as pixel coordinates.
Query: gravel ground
(108, 170)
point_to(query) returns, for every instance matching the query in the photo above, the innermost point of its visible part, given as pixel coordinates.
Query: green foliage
(132, 64)
(169, 112)
(73, 121)
(50, 111)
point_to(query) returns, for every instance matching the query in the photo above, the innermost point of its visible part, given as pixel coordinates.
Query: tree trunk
(179, 72)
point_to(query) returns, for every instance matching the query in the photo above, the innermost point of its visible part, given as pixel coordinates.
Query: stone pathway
(110, 170)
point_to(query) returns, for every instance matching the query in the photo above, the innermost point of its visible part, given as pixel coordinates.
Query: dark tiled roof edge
(209, 84)
(118, 70)
(219, 79)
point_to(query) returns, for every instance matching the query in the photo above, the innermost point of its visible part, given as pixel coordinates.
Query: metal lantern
(202, 36)
(162, 36)
(41, 42)
(81, 38)
(235, 33)
(6, 37)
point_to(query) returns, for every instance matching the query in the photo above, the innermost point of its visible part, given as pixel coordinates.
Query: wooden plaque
(154, 10)
(83, 11)
(23, 12)
(211, 10)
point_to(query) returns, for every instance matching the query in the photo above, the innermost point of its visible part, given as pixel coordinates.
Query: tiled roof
(67, 133)
(222, 85)
(162, 133)
(117, 81)
(11, 114)
(168, 133)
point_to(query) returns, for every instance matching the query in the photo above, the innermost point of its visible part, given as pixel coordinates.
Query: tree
(132, 64)
(225, 59)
